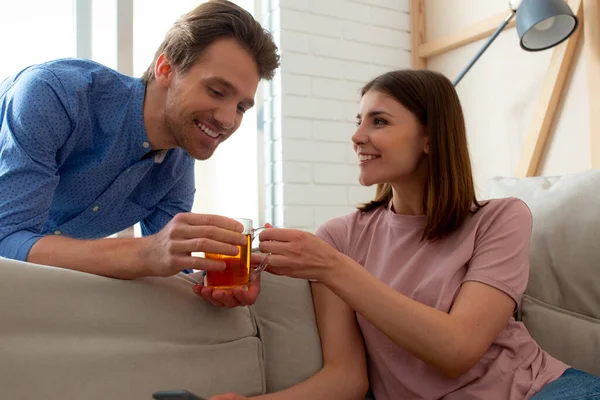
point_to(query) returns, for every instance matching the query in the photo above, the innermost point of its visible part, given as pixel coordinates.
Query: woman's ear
(426, 145)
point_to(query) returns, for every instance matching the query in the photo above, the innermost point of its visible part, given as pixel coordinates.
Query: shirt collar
(140, 144)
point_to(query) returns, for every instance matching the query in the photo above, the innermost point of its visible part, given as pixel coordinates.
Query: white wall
(329, 48)
(500, 93)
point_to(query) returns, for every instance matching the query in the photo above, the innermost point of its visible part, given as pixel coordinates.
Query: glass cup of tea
(238, 271)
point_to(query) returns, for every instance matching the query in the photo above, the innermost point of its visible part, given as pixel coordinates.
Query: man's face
(206, 104)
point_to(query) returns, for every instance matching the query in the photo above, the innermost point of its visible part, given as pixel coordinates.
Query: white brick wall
(329, 49)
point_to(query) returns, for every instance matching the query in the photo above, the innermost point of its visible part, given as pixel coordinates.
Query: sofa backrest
(561, 306)
(70, 335)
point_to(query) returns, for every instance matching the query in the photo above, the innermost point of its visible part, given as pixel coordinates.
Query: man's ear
(163, 70)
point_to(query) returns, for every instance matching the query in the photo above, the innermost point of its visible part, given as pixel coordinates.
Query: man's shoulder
(68, 75)
(78, 74)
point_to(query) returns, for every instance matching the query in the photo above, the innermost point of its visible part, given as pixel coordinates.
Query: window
(35, 31)
(227, 183)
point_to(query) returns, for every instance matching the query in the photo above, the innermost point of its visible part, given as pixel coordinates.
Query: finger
(211, 220)
(211, 232)
(248, 296)
(282, 261)
(256, 258)
(279, 234)
(269, 226)
(203, 245)
(272, 270)
(226, 298)
(206, 294)
(181, 262)
(282, 271)
(270, 247)
(227, 396)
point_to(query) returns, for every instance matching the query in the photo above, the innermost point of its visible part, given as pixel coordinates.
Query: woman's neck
(408, 197)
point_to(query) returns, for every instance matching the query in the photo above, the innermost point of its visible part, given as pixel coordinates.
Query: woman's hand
(228, 396)
(300, 254)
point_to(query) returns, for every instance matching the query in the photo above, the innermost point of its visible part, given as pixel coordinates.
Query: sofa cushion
(571, 336)
(288, 329)
(565, 261)
(71, 335)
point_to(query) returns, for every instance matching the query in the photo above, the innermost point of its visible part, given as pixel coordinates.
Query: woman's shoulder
(503, 207)
(340, 230)
(352, 220)
(503, 214)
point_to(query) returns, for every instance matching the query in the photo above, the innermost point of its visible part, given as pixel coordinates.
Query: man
(86, 152)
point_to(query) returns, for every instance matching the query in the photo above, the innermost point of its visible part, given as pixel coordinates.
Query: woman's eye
(379, 121)
(357, 123)
(241, 110)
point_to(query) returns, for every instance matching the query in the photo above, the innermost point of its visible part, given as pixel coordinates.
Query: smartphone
(176, 395)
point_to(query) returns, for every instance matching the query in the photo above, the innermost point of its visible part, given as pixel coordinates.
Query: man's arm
(35, 125)
(163, 254)
(171, 235)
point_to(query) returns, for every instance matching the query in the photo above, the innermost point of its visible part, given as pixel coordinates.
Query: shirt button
(57, 232)
(146, 145)
(95, 208)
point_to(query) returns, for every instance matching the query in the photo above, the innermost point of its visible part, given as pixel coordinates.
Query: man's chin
(201, 154)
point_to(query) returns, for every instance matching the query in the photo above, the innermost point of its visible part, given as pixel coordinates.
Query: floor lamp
(541, 24)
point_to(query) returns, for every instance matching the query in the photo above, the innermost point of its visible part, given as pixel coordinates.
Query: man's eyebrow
(229, 86)
(374, 113)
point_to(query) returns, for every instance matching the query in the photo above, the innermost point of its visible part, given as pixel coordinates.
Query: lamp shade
(542, 24)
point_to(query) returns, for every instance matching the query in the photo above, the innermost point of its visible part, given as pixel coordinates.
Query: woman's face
(389, 141)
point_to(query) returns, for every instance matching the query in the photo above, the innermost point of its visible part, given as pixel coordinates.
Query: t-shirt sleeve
(501, 255)
(335, 233)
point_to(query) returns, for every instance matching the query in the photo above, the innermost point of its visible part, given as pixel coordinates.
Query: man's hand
(237, 296)
(169, 251)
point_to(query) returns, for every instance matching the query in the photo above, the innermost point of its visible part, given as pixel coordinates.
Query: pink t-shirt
(491, 247)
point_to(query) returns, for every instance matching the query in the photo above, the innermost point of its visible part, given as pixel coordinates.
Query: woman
(433, 275)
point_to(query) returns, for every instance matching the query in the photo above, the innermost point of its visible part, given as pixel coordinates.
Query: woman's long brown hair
(449, 195)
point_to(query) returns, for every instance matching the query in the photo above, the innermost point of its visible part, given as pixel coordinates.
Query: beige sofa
(69, 335)
(561, 306)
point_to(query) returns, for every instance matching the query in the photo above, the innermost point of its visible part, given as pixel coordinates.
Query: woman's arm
(344, 372)
(450, 342)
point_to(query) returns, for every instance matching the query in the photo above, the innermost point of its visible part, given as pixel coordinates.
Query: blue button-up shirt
(75, 159)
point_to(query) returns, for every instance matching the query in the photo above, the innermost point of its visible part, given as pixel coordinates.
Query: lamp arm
(485, 46)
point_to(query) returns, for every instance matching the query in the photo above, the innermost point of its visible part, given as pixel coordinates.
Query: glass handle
(261, 267)
(253, 236)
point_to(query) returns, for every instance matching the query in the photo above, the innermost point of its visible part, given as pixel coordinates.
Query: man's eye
(358, 123)
(241, 110)
(215, 92)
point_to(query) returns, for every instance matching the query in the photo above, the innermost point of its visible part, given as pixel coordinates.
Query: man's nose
(226, 116)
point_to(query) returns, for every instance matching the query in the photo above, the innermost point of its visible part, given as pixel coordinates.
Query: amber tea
(238, 269)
